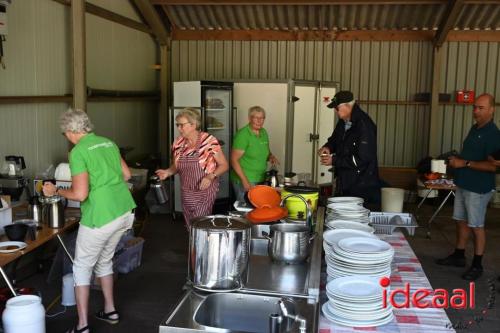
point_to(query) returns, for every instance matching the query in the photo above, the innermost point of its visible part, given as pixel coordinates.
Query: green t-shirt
(478, 145)
(254, 160)
(109, 196)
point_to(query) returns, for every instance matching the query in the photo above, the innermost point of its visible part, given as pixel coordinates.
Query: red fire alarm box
(465, 96)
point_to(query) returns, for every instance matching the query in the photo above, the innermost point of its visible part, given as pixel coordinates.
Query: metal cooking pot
(289, 243)
(53, 211)
(219, 247)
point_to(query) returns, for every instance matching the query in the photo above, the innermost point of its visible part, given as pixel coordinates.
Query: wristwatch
(467, 164)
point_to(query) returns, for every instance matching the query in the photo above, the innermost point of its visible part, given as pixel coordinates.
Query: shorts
(471, 207)
(95, 248)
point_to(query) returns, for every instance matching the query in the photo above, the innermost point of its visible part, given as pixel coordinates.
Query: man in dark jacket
(352, 150)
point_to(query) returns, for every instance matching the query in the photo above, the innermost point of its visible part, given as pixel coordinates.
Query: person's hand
(495, 162)
(323, 151)
(273, 160)
(326, 159)
(206, 181)
(162, 173)
(49, 189)
(246, 185)
(456, 162)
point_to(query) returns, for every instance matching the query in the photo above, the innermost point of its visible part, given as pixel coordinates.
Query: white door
(325, 125)
(273, 98)
(303, 129)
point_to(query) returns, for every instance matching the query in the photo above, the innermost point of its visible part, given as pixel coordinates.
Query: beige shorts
(95, 248)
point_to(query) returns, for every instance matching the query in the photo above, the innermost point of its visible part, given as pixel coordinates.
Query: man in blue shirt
(475, 180)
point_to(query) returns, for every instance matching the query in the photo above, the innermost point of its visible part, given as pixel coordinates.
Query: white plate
(364, 245)
(356, 200)
(334, 236)
(18, 245)
(355, 323)
(350, 225)
(356, 286)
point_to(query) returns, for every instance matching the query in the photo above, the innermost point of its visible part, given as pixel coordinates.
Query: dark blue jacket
(355, 152)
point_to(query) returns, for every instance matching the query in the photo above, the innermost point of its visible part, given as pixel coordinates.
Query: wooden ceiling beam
(474, 36)
(361, 35)
(453, 9)
(294, 2)
(153, 19)
(111, 16)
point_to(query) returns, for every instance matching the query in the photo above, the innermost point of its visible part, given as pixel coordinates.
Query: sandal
(75, 329)
(101, 315)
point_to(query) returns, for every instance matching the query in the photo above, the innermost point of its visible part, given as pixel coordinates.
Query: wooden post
(163, 121)
(435, 124)
(78, 38)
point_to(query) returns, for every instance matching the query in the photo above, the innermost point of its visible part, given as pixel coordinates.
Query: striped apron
(195, 202)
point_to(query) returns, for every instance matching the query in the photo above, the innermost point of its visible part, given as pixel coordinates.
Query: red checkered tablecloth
(405, 268)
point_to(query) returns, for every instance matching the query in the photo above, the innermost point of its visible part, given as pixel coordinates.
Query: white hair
(76, 121)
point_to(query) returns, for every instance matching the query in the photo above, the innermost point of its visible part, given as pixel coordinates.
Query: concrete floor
(146, 295)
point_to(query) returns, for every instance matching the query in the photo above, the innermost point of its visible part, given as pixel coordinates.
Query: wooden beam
(69, 98)
(294, 2)
(434, 120)
(453, 9)
(111, 16)
(151, 16)
(79, 65)
(474, 36)
(163, 112)
(317, 35)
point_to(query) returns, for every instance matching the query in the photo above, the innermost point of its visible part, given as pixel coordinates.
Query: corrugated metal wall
(473, 66)
(372, 70)
(38, 59)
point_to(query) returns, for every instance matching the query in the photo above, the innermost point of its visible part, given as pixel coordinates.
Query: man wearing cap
(352, 150)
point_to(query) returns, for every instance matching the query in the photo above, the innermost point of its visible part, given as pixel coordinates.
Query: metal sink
(238, 313)
(242, 312)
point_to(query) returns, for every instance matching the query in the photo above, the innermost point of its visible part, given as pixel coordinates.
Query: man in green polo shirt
(250, 153)
(475, 181)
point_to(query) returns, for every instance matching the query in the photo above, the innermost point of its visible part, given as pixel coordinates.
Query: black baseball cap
(343, 96)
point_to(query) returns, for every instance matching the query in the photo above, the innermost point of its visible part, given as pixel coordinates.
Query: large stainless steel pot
(289, 243)
(219, 246)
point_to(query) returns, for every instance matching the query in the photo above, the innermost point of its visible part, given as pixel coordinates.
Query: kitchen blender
(12, 181)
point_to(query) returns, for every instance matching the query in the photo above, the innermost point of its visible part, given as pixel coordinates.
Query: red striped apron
(195, 202)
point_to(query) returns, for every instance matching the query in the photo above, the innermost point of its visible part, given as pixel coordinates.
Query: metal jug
(53, 211)
(35, 210)
(159, 190)
(272, 178)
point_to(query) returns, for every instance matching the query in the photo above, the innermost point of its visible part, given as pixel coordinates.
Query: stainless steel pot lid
(220, 222)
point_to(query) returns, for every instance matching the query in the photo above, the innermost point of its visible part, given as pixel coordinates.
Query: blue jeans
(239, 191)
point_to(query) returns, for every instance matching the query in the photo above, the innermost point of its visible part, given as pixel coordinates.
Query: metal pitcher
(53, 211)
(219, 248)
(35, 210)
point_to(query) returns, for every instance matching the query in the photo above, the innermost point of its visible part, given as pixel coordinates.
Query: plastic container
(392, 199)
(24, 314)
(129, 257)
(5, 216)
(68, 290)
(385, 223)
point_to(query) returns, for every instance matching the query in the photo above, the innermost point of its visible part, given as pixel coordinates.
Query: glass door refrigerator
(214, 100)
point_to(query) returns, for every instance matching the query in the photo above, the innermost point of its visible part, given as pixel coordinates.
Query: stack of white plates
(346, 224)
(356, 301)
(355, 200)
(359, 256)
(347, 211)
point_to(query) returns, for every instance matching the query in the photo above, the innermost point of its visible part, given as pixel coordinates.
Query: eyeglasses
(181, 125)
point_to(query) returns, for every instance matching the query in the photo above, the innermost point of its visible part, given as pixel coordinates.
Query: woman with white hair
(98, 175)
(250, 153)
(199, 161)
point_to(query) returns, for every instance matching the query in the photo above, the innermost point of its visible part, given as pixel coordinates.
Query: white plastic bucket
(24, 314)
(68, 290)
(392, 199)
